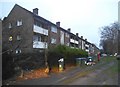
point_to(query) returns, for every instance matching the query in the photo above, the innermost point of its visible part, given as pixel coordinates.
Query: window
(18, 37)
(19, 22)
(53, 40)
(67, 35)
(36, 38)
(54, 29)
(37, 23)
(39, 38)
(10, 25)
(43, 39)
(62, 37)
(67, 44)
(10, 38)
(86, 47)
(18, 51)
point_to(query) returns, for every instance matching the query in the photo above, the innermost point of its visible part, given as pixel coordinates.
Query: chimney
(69, 29)
(58, 24)
(35, 11)
(82, 37)
(77, 34)
(85, 39)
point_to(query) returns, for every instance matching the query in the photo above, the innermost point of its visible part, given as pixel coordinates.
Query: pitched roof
(47, 21)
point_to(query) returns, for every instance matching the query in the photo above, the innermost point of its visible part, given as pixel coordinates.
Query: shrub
(69, 54)
(7, 65)
(30, 61)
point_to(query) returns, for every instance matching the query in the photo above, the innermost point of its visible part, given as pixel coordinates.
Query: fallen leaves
(40, 73)
(33, 74)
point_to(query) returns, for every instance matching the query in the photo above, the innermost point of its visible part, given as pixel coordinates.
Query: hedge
(7, 65)
(69, 54)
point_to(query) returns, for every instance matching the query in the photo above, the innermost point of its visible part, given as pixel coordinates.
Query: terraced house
(27, 32)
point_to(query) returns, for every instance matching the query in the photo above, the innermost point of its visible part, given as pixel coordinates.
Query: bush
(62, 51)
(30, 61)
(7, 65)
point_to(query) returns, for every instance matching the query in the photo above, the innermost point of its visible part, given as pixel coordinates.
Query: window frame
(19, 22)
(10, 25)
(53, 40)
(19, 37)
(67, 35)
(36, 37)
(54, 29)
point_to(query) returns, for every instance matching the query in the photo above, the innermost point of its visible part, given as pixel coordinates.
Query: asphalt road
(91, 75)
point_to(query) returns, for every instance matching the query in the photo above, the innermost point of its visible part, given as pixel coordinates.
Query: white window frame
(19, 22)
(67, 35)
(67, 44)
(10, 25)
(18, 37)
(53, 40)
(62, 37)
(54, 29)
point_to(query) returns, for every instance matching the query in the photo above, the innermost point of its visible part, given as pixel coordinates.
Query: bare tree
(109, 38)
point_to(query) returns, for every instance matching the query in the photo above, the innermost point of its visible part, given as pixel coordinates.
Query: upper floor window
(53, 40)
(10, 25)
(36, 38)
(61, 37)
(37, 23)
(19, 22)
(67, 35)
(54, 29)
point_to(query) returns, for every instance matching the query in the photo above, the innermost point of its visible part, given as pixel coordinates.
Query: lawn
(114, 69)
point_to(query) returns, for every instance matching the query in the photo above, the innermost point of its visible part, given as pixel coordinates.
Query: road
(98, 74)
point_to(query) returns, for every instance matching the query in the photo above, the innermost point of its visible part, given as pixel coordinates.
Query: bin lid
(81, 58)
(61, 60)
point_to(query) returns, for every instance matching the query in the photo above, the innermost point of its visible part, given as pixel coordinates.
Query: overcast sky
(82, 16)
